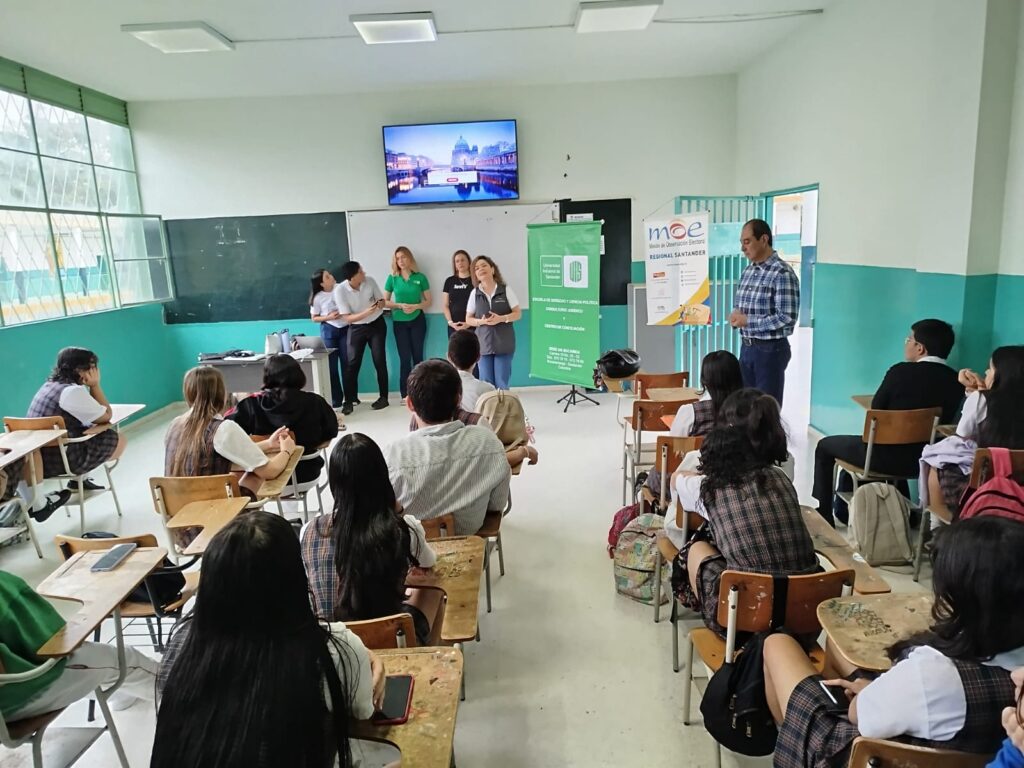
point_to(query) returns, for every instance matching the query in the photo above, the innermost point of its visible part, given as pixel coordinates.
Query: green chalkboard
(250, 267)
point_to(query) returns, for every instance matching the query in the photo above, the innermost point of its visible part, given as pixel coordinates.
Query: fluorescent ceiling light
(180, 36)
(615, 15)
(395, 27)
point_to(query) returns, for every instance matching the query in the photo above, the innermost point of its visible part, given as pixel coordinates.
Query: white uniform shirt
(77, 400)
(351, 301)
(231, 442)
(324, 304)
(974, 412)
(513, 300)
(683, 421)
(472, 389)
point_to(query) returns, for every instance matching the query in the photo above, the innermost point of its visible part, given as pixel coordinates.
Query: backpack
(880, 525)
(622, 518)
(634, 557)
(506, 416)
(619, 363)
(734, 705)
(1000, 495)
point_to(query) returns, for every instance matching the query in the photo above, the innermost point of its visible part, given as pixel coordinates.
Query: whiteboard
(434, 234)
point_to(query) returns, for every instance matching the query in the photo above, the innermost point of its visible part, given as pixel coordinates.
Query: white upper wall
(648, 140)
(1011, 260)
(878, 102)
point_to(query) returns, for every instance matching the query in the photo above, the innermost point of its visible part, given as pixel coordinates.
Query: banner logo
(575, 272)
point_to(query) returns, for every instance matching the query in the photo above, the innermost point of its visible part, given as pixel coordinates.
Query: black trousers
(359, 336)
(409, 338)
(892, 460)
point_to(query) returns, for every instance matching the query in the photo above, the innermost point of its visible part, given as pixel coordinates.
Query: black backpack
(619, 363)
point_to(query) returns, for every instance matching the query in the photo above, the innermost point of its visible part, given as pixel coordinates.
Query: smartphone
(837, 694)
(114, 557)
(397, 700)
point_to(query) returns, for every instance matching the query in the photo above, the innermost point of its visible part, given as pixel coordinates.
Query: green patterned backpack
(634, 560)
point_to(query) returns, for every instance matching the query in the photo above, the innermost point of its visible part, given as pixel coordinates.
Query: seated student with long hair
(752, 517)
(251, 677)
(720, 376)
(1011, 755)
(358, 558)
(947, 687)
(283, 403)
(202, 442)
(992, 418)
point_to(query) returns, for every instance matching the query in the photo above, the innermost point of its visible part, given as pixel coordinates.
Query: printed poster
(678, 283)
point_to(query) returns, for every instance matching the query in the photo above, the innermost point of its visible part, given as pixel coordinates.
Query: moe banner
(565, 292)
(678, 288)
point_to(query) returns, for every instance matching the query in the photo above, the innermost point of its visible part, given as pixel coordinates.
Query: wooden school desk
(862, 627)
(211, 515)
(459, 567)
(21, 445)
(864, 401)
(121, 411)
(425, 739)
(831, 545)
(670, 394)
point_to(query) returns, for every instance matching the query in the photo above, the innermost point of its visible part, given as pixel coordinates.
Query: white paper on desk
(246, 359)
(300, 354)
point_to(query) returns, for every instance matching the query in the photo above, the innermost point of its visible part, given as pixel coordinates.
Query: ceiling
(309, 46)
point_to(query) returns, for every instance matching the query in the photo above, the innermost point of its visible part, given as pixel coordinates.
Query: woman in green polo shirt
(411, 295)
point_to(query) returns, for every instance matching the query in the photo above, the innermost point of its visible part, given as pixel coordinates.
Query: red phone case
(378, 718)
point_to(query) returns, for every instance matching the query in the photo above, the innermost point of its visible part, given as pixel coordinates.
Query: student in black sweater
(923, 381)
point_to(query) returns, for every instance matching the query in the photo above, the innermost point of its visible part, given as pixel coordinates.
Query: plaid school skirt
(953, 483)
(82, 457)
(813, 735)
(709, 579)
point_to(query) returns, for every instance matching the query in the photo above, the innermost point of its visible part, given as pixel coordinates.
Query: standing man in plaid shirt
(767, 305)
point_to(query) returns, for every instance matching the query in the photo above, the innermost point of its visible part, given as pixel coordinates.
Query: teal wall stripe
(638, 272)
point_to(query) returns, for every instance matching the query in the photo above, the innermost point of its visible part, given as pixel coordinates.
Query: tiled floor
(567, 673)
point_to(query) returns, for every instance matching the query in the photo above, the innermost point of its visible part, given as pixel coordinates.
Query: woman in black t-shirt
(456, 293)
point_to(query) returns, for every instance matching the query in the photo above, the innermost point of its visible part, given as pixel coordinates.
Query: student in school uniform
(947, 686)
(1010, 754)
(411, 292)
(27, 621)
(15, 479)
(752, 517)
(361, 304)
(73, 392)
(283, 403)
(464, 354)
(333, 330)
(251, 677)
(922, 380)
(348, 585)
(202, 442)
(492, 308)
(992, 418)
(457, 287)
(446, 466)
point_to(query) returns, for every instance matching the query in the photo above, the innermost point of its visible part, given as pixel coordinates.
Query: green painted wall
(863, 314)
(131, 344)
(1007, 321)
(186, 341)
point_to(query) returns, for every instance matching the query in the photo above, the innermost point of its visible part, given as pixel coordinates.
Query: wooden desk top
(425, 739)
(275, 486)
(460, 564)
(23, 442)
(211, 515)
(670, 394)
(99, 593)
(864, 401)
(862, 627)
(667, 420)
(946, 430)
(120, 412)
(829, 543)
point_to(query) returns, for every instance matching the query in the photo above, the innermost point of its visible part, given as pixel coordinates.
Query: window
(72, 235)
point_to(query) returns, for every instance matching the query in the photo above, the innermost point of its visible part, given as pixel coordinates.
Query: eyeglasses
(911, 340)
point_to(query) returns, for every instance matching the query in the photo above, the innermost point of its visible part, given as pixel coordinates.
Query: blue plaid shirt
(769, 295)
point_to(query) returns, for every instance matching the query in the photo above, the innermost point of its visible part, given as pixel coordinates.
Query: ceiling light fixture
(180, 36)
(615, 15)
(376, 28)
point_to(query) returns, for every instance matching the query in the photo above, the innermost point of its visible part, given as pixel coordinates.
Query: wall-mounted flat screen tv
(451, 162)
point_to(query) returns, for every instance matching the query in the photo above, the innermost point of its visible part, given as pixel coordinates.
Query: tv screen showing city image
(451, 162)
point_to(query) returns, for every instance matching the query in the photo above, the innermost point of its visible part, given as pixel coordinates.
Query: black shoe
(347, 408)
(357, 401)
(380, 402)
(87, 484)
(54, 501)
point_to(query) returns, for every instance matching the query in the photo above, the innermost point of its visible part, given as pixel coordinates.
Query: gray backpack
(880, 525)
(634, 558)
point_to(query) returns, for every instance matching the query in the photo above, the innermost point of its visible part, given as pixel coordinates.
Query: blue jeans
(496, 369)
(764, 366)
(409, 338)
(336, 339)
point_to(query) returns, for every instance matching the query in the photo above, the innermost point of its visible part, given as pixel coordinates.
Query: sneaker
(87, 484)
(380, 402)
(54, 501)
(347, 408)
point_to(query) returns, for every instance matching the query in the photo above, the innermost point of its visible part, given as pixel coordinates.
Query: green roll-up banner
(565, 293)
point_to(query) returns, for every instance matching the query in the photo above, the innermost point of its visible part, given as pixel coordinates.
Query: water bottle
(286, 341)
